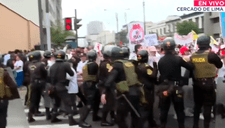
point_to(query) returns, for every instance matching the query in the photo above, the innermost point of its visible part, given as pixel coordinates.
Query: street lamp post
(144, 14)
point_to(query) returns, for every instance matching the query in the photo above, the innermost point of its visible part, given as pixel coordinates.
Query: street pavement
(17, 117)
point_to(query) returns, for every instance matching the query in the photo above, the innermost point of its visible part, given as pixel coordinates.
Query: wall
(16, 32)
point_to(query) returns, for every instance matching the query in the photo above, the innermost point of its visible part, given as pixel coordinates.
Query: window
(215, 20)
(197, 21)
(202, 21)
(210, 13)
(160, 31)
(164, 30)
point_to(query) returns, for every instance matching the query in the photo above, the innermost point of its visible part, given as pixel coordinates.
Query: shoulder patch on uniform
(146, 65)
(149, 71)
(33, 67)
(84, 67)
(128, 64)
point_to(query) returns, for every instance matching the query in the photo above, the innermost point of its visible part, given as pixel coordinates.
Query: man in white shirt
(81, 63)
(73, 87)
(6, 58)
(137, 48)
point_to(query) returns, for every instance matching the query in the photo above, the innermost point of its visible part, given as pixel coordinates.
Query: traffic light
(68, 24)
(76, 25)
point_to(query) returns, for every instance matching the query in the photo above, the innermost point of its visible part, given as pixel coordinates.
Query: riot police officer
(147, 75)
(8, 91)
(47, 100)
(170, 88)
(104, 68)
(26, 81)
(126, 52)
(38, 76)
(90, 71)
(127, 86)
(58, 80)
(206, 64)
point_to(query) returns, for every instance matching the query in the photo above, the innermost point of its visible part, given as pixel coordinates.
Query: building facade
(167, 28)
(22, 34)
(106, 37)
(94, 27)
(212, 24)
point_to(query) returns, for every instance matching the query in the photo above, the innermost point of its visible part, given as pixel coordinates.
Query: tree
(186, 27)
(58, 35)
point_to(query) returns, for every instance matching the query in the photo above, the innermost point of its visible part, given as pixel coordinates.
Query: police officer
(170, 88)
(206, 64)
(147, 75)
(8, 91)
(58, 80)
(104, 68)
(126, 52)
(90, 71)
(38, 76)
(127, 86)
(26, 81)
(47, 100)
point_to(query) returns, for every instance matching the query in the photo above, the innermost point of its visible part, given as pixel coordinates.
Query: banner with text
(151, 40)
(135, 34)
(183, 40)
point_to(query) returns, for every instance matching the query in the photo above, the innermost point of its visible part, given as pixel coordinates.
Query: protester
(18, 67)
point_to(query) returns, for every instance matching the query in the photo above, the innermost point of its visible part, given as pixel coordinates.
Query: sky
(93, 10)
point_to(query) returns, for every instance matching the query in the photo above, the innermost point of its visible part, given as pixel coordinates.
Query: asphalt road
(17, 117)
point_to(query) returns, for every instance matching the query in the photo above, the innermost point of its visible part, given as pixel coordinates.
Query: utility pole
(117, 21)
(48, 26)
(40, 22)
(75, 26)
(144, 14)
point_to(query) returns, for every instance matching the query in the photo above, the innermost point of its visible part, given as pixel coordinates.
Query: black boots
(54, 119)
(84, 113)
(30, 118)
(72, 121)
(48, 115)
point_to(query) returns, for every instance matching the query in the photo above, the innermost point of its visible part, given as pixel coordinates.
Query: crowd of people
(121, 81)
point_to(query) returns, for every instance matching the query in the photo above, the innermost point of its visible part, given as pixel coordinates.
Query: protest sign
(151, 40)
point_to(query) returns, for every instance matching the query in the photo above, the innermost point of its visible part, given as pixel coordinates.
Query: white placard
(151, 40)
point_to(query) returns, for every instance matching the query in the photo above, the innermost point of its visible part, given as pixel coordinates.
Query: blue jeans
(19, 78)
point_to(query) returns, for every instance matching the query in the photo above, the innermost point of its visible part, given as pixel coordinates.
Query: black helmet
(92, 55)
(47, 54)
(203, 42)
(142, 56)
(126, 52)
(34, 56)
(106, 51)
(60, 55)
(169, 44)
(117, 53)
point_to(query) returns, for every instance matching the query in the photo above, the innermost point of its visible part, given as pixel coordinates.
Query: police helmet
(60, 55)
(47, 54)
(126, 52)
(117, 53)
(169, 44)
(106, 51)
(203, 41)
(92, 55)
(142, 56)
(34, 56)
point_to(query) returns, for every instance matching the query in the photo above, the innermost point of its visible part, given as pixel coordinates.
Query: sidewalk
(16, 115)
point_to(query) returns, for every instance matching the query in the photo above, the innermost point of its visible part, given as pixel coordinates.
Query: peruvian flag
(121, 43)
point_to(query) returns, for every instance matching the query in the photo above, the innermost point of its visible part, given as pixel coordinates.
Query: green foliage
(186, 27)
(58, 35)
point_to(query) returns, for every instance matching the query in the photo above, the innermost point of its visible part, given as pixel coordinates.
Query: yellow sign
(149, 71)
(198, 60)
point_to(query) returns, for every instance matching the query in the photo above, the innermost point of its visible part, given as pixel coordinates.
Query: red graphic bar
(208, 3)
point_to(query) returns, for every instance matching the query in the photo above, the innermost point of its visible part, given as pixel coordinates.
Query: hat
(222, 46)
(82, 54)
(152, 49)
(183, 49)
